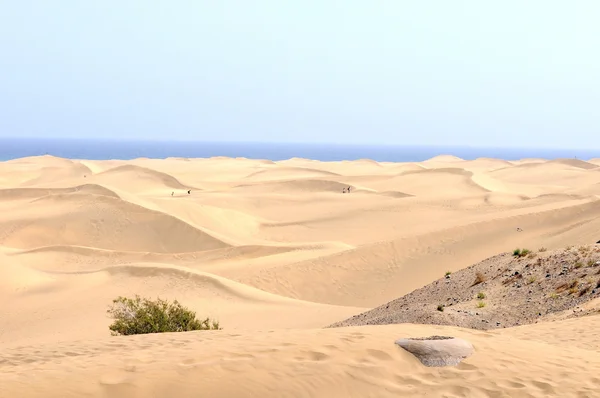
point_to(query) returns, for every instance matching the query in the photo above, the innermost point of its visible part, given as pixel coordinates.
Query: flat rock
(437, 350)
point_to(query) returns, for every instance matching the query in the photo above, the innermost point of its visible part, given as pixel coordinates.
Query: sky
(480, 73)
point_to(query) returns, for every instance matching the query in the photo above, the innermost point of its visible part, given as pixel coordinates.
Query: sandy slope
(276, 251)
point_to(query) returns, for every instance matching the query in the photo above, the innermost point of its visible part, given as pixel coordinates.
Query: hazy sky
(510, 73)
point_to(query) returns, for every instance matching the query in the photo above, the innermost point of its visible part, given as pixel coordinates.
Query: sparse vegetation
(521, 252)
(525, 291)
(142, 316)
(573, 287)
(542, 249)
(479, 278)
(572, 290)
(532, 255)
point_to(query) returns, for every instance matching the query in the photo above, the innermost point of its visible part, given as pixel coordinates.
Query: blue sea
(104, 149)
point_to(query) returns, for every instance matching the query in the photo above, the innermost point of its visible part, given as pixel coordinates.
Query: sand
(276, 252)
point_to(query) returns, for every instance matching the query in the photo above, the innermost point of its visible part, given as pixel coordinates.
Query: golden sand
(276, 251)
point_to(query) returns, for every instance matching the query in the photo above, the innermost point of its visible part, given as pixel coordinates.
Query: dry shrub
(479, 278)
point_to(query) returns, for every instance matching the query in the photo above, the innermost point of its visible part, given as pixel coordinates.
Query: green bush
(521, 253)
(142, 316)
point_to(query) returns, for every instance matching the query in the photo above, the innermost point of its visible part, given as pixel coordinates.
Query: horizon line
(336, 144)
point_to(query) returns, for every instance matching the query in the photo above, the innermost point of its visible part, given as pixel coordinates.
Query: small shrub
(532, 279)
(532, 255)
(479, 278)
(553, 296)
(481, 295)
(572, 290)
(578, 264)
(480, 304)
(590, 262)
(142, 316)
(448, 273)
(573, 286)
(542, 249)
(521, 252)
(440, 307)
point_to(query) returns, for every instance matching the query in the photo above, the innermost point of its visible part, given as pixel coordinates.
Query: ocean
(104, 149)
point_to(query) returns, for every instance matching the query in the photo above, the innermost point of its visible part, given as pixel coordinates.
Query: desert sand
(277, 252)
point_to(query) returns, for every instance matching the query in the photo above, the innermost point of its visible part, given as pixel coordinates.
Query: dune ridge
(278, 251)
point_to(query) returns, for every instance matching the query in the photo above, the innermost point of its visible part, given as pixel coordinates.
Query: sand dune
(294, 187)
(444, 158)
(276, 251)
(29, 193)
(346, 362)
(285, 173)
(100, 221)
(135, 179)
(51, 176)
(575, 163)
(449, 182)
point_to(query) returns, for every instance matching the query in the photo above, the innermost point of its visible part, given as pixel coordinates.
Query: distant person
(344, 190)
(348, 189)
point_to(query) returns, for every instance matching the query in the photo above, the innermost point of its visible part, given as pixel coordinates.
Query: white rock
(437, 350)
